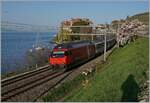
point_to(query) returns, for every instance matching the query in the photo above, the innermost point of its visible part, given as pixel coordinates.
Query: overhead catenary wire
(6, 25)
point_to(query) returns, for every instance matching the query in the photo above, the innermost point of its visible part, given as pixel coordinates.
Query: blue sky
(52, 13)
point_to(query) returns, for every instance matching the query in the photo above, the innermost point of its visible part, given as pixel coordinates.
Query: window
(56, 54)
(67, 53)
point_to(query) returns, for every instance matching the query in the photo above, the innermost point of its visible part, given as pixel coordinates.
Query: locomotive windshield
(58, 54)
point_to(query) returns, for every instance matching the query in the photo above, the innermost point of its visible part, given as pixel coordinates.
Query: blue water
(14, 46)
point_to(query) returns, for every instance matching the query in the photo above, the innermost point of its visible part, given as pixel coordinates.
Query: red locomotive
(67, 55)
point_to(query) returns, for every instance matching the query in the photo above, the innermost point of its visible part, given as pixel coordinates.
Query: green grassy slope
(119, 78)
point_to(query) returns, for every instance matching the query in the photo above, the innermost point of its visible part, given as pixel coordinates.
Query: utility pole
(92, 37)
(61, 33)
(117, 33)
(37, 36)
(105, 46)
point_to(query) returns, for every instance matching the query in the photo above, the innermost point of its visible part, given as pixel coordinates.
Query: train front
(58, 58)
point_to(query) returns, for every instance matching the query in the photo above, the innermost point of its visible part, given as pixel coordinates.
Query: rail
(23, 74)
(30, 85)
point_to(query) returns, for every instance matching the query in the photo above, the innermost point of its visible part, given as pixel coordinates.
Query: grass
(119, 79)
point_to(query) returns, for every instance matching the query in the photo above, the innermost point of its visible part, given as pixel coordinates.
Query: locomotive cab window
(67, 53)
(58, 54)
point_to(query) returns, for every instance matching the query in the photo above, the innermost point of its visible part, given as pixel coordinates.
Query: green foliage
(115, 24)
(39, 57)
(32, 59)
(118, 79)
(63, 36)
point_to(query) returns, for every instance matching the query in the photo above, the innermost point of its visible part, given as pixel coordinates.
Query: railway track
(22, 76)
(19, 88)
(31, 85)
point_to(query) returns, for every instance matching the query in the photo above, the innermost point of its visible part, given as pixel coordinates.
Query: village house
(69, 25)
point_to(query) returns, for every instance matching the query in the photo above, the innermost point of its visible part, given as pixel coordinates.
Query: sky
(51, 13)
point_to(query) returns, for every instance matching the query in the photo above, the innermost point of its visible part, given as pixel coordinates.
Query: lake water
(14, 45)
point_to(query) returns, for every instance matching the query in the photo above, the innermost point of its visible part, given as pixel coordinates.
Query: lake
(14, 46)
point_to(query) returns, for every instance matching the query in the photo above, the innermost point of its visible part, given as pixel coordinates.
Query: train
(71, 54)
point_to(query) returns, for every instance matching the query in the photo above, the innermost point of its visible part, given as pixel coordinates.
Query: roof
(74, 44)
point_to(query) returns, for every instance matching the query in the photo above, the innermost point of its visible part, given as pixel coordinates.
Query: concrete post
(61, 36)
(105, 47)
(92, 37)
(37, 37)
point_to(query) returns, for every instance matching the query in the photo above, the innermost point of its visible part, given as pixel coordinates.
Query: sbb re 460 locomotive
(67, 55)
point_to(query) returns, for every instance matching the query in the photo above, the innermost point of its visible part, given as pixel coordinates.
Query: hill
(143, 17)
(119, 79)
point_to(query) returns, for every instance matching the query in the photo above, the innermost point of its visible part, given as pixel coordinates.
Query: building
(72, 25)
